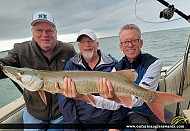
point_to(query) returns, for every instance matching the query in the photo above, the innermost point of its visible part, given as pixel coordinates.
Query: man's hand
(106, 90)
(70, 90)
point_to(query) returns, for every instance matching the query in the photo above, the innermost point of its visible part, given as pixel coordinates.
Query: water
(168, 45)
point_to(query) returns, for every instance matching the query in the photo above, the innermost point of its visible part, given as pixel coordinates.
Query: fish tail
(162, 99)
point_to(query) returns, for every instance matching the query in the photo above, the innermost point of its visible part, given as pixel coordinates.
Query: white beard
(88, 55)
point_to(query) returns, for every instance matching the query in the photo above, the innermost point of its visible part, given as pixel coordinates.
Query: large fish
(86, 83)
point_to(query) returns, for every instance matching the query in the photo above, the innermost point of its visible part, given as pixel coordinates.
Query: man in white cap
(71, 104)
(43, 52)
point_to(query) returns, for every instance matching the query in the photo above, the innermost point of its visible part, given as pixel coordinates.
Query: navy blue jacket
(79, 112)
(141, 65)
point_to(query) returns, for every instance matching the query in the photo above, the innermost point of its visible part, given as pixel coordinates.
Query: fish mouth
(13, 76)
(11, 73)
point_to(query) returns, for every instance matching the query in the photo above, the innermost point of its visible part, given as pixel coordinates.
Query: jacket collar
(134, 64)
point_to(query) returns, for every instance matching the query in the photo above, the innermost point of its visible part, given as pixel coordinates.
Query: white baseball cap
(42, 16)
(88, 32)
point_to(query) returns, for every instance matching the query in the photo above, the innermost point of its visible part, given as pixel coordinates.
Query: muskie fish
(86, 83)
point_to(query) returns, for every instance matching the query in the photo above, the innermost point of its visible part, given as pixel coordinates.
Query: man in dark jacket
(76, 111)
(43, 52)
(148, 68)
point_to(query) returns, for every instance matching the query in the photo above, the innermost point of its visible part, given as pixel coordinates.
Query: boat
(172, 79)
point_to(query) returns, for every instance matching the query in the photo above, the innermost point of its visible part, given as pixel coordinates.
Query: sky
(105, 17)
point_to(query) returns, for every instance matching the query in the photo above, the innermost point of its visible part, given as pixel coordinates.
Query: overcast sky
(105, 17)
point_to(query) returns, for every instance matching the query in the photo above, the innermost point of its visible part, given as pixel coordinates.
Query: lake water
(168, 45)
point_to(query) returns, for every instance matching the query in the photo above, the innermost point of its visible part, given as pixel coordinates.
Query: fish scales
(86, 83)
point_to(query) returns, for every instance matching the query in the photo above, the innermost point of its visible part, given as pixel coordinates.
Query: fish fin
(127, 100)
(43, 96)
(91, 98)
(162, 99)
(130, 74)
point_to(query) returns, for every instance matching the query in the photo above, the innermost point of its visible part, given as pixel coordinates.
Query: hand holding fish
(106, 90)
(70, 90)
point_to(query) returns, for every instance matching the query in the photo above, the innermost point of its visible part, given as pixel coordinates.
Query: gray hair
(130, 26)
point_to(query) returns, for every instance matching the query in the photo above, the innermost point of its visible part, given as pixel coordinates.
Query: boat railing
(171, 76)
(12, 112)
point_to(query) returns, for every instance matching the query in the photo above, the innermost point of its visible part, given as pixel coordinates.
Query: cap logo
(42, 16)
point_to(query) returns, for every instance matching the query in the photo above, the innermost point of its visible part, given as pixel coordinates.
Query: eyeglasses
(40, 31)
(133, 42)
(88, 41)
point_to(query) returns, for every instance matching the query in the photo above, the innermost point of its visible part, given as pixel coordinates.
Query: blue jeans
(29, 119)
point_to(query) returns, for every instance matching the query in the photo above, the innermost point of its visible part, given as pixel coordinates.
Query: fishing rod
(169, 12)
(183, 75)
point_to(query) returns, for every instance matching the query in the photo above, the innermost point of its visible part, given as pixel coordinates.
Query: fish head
(12, 72)
(25, 77)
